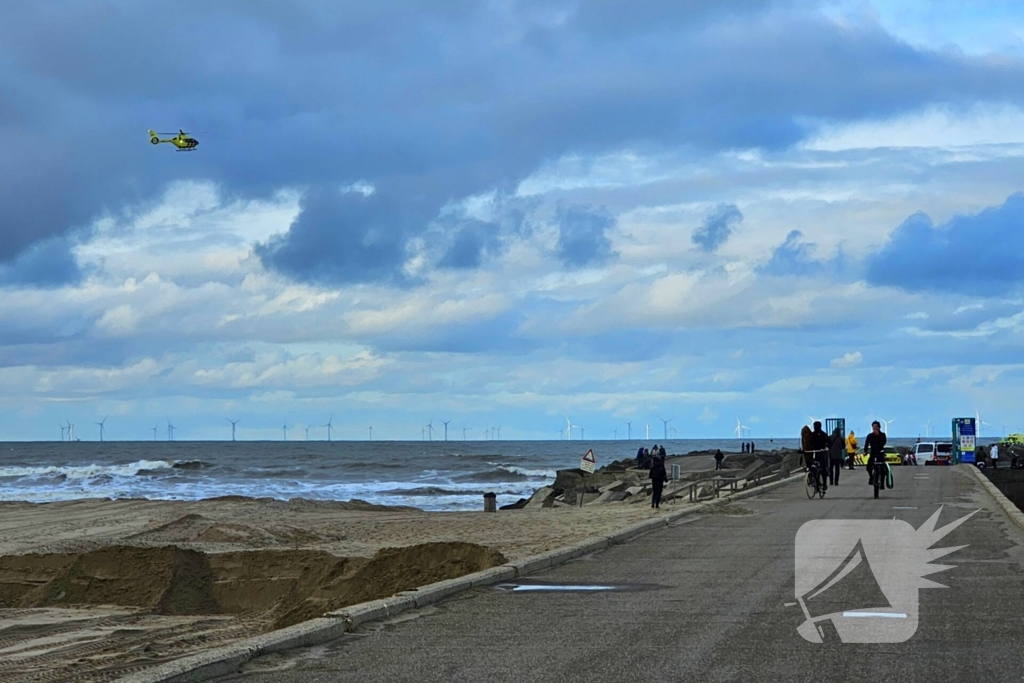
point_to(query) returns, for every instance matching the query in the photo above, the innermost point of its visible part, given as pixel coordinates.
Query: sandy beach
(93, 589)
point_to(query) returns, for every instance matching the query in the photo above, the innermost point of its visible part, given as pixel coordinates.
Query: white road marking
(563, 588)
(889, 615)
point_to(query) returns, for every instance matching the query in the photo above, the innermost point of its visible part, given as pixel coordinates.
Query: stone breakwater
(622, 482)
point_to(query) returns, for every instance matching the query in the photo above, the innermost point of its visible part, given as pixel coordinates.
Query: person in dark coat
(820, 444)
(718, 460)
(835, 456)
(658, 477)
(640, 457)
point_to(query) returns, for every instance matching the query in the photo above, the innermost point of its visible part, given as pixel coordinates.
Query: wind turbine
(71, 430)
(329, 426)
(928, 428)
(170, 430)
(61, 431)
(629, 431)
(647, 432)
(978, 421)
(740, 428)
(156, 428)
(568, 428)
(445, 428)
(499, 432)
(307, 433)
(371, 432)
(463, 433)
(615, 433)
(430, 429)
(101, 423)
(885, 425)
(666, 425)
(233, 423)
(284, 428)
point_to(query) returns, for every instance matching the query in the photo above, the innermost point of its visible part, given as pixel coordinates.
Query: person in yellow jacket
(851, 448)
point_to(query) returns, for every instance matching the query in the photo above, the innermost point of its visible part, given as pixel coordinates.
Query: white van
(934, 453)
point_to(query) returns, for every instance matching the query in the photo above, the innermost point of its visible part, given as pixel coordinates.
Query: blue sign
(964, 432)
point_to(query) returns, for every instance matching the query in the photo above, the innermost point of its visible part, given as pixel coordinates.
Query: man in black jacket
(820, 444)
(874, 448)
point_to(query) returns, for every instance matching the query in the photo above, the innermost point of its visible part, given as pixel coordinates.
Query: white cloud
(848, 360)
(935, 128)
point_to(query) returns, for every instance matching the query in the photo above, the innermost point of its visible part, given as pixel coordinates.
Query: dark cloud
(796, 256)
(472, 241)
(582, 235)
(981, 254)
(345, 236)
(717, 227)
(431, 102)
(49, 263)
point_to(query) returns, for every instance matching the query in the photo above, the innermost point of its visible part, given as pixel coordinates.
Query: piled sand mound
(166, 580)
(282, 586)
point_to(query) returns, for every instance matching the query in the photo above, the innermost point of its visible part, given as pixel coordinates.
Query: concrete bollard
(490, 502)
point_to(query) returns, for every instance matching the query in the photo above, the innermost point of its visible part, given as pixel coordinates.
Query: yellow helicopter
(182, 141)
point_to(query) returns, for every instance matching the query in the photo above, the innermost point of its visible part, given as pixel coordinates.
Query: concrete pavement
(712, 606)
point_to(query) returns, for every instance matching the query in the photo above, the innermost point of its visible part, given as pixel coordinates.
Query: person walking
(994, 454)
(835, 456)
(718, 459)
(851, 448)
(658, 476)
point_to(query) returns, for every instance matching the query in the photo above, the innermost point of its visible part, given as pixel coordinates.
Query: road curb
(229, 658)
(1008, 507)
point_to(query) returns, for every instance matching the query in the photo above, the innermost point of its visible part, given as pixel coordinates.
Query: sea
(430, 475)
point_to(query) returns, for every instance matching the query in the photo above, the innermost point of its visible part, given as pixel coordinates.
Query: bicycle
(879, 471)
(813, 480)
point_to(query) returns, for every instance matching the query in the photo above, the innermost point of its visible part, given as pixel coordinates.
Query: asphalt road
(709, 603)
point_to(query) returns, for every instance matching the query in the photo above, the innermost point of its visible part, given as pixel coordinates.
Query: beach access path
(710, 605)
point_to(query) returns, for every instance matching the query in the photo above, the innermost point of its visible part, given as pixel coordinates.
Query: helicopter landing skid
(186, 149)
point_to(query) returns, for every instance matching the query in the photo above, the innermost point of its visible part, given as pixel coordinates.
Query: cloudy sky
(507, 212)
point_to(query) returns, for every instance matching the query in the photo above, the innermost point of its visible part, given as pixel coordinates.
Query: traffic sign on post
(588, 462)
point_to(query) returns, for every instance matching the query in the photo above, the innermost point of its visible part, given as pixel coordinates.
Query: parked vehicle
(934, 452)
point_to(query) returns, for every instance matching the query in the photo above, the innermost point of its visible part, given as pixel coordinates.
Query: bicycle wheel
(821, 491)
(810, 484)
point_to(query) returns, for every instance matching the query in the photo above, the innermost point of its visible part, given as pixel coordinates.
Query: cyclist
(874, 447)
(819, 445)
